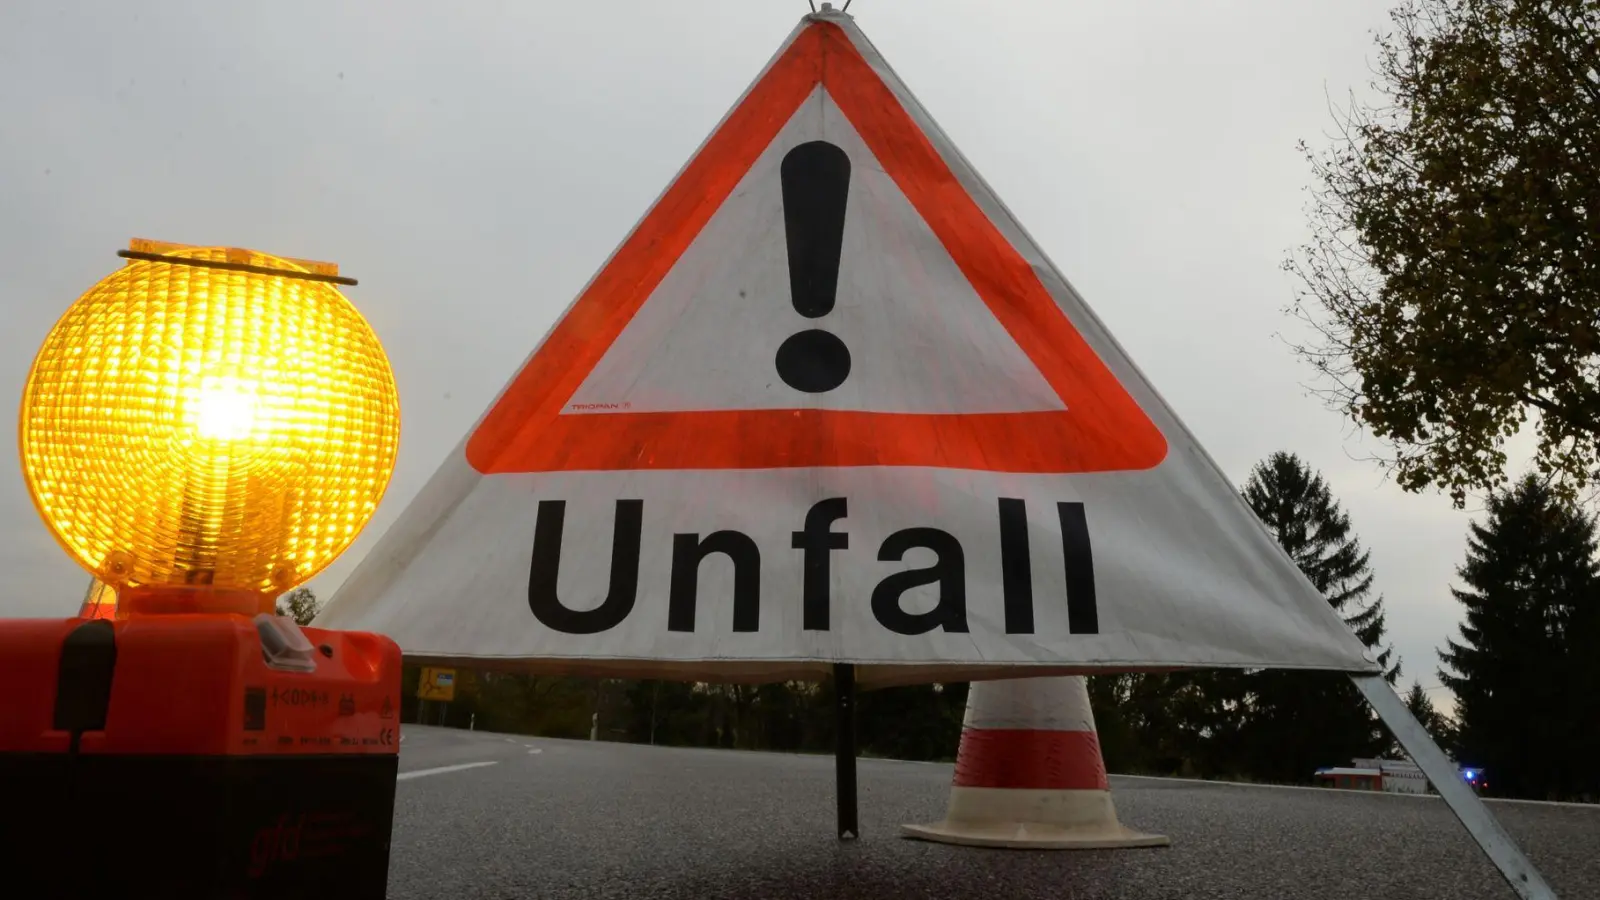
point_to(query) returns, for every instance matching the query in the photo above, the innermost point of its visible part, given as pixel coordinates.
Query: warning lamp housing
(203, 429)
(208, 416)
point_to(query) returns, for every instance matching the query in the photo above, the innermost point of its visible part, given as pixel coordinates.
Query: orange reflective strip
(516, 425)
(1103, 429)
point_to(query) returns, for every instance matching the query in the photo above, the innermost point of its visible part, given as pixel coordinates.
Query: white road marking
(1592, 807)
(1276, 787)
(1306, 787)
(418, 773)
(533, 750)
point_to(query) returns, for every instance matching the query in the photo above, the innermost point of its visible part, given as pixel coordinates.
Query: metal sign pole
(844, 748)
(1462, 800)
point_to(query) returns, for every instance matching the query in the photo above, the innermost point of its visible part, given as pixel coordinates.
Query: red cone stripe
(1036, 760)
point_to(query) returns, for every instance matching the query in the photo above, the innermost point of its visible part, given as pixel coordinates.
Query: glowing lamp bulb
(209, 418)
(225, 410)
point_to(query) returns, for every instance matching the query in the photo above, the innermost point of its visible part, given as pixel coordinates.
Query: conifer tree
(1293, 722)
(1426, 714)
(1523, 669)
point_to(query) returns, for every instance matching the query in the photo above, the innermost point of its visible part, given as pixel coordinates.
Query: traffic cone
(1029, 774)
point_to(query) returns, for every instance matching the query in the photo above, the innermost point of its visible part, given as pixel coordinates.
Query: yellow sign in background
(437, 684)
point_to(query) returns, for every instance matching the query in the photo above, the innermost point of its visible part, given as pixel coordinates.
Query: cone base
(1033, 836)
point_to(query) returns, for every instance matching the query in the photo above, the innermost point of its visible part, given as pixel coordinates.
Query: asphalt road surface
(481, 815)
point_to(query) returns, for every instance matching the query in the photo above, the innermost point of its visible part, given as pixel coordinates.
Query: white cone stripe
(1029, 704)
(1062, 809)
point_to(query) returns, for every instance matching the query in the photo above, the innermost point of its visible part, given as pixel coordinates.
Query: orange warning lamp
(203, 430)
(208, 427)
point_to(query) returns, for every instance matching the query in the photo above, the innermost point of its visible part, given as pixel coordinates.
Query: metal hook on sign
(813, 4)
(846, 7)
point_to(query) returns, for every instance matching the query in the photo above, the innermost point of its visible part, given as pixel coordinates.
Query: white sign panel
(829, 403)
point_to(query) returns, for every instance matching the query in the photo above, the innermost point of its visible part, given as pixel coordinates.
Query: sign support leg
(1462, 800)
(844, 748)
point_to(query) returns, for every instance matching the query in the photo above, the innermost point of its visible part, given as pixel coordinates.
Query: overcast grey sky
(473, 164)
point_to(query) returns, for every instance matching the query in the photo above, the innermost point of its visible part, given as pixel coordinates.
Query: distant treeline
(922, 722)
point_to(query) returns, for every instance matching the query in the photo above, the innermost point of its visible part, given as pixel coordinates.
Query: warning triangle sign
(816, 289)
(828, 402)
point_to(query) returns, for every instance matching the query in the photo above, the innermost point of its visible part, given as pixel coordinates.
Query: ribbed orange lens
(194, 425)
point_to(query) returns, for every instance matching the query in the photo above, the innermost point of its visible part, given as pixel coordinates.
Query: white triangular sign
(830, 403)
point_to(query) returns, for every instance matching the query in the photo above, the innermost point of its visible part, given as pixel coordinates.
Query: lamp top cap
(146, 245)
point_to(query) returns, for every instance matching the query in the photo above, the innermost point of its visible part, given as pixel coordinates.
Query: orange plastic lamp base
(161, 599)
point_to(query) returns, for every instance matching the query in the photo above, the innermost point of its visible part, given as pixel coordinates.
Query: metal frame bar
(1462, 800)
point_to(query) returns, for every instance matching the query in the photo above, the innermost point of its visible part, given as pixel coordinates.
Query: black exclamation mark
(816, 182)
